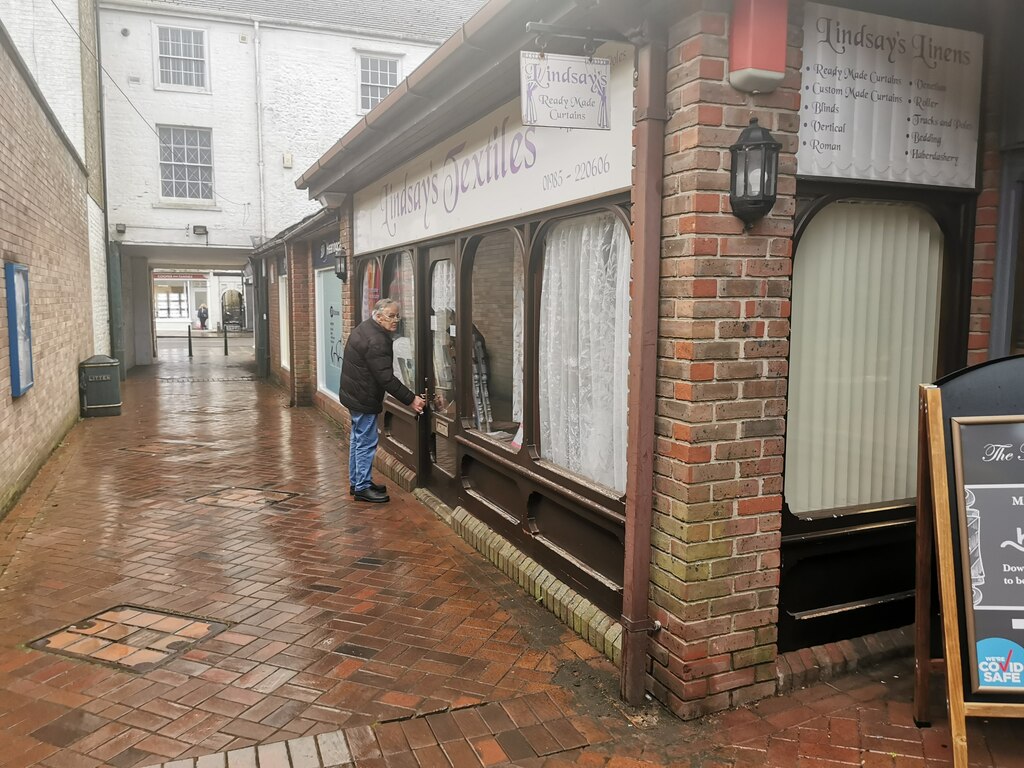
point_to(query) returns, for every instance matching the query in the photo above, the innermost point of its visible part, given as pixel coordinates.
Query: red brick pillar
(722, 382)
(303, 335)
(987, 214)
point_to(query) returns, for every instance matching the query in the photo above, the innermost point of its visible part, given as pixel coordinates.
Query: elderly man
(367, 372)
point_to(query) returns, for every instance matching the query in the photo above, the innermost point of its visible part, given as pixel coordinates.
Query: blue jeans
(361, 449)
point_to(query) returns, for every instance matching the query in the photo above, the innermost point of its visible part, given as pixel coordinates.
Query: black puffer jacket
(367, 372)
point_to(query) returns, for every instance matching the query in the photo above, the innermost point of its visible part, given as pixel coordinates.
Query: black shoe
(375, 486)
(372, 496)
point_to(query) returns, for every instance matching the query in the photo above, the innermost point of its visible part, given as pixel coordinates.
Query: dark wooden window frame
(821, 548)
(594, 504)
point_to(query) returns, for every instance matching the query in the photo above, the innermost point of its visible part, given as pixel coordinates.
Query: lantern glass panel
(739, 176)
(771, 179)
(755, 170)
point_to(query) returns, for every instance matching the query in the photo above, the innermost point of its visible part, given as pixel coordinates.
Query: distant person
(203, 314)
(367, 372)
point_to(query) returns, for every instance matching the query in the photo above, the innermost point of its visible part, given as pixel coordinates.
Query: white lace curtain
(442, 300)
(584, 345)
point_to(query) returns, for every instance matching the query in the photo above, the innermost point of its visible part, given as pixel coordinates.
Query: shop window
(186, 163)
(329, 345)
(441, 386)
(866, 286)
(181, 58)
(171, 302)
(369, 288)
(497, 343)
(284, 321)
(399, 286)
(442, 335)
(584, 347)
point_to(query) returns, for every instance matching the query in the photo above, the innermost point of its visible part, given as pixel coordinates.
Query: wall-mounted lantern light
(340, 265)
(755, 173)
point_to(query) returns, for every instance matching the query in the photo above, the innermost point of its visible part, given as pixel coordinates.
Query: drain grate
(243, 498)
(130, 638)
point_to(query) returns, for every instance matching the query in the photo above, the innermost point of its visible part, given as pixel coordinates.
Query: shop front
(705, 429)
(508, 250)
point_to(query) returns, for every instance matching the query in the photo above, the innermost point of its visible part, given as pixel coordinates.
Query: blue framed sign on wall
(19, 328)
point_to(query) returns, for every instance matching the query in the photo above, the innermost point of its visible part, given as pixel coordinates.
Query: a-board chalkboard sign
(988, 454)
(970, 534)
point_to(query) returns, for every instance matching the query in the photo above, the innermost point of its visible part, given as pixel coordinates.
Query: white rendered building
(214, 108)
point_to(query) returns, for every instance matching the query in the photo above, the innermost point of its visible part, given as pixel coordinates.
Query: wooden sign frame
(936, 546)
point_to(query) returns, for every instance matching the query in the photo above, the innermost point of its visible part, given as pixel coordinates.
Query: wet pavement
(191, 580)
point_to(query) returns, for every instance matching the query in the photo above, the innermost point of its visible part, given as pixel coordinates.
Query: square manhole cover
(130, 638)
(243, 498)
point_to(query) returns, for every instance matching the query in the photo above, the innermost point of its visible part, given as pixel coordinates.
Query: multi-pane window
(377, 78)
(182, 57)
(186, 163)
(171, 301)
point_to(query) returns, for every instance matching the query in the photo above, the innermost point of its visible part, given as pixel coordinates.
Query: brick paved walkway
(317, 631)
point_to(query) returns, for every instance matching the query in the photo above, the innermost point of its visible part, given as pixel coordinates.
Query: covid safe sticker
(1000, 663)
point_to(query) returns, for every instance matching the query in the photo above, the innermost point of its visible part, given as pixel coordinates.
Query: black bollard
(225, 338)
(190, 340)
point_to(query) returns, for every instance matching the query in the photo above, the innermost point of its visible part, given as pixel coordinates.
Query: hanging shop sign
(325, 253)
(564, 91)
(888, 99)
(498, 168)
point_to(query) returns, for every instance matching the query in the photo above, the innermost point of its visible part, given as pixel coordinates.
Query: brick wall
(302, 303)
(721, 382)
(987, 213)
(43, 224)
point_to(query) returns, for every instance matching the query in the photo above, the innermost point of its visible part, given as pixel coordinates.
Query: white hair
(380, 306)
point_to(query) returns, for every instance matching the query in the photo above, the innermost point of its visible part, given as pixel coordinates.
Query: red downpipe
(651, 116)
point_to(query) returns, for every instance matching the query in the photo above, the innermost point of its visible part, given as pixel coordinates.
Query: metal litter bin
(99, 386)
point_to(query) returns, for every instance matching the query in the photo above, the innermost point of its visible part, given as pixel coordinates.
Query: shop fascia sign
(888, 99)
(564, 91)
(498, 168)
(179, 276)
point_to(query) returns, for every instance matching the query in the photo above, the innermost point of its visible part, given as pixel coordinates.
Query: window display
(497, 349)
(369, 293)
(584, 347)
(399, 285)
(443, 450)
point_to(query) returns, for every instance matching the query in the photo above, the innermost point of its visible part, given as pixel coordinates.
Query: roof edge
(163, 9)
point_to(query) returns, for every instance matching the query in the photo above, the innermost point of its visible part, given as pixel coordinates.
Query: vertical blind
(866, 285)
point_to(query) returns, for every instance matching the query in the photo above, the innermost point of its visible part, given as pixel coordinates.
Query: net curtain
(584, 347)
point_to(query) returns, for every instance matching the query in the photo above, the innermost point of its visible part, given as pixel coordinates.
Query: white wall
(98, 279)
(52, 52)
(310, 89)
(228, 109)
(310, 97)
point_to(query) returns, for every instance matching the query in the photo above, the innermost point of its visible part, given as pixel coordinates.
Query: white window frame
(158, 84)
(321, 331)
(382, 56)
(200, 201)
(284, 321)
